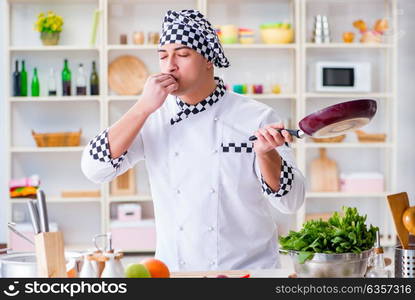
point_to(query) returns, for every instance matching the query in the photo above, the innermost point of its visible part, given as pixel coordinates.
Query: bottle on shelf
(81, 81)
(35, 86)
(94, 80)
(16, 80)
(23, 80)
(66, 79)
(52, 90)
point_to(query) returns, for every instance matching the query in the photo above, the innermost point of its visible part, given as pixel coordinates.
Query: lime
(136, 271)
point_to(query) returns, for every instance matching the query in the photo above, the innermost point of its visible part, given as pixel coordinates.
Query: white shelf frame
(53, 48)
(300, 96)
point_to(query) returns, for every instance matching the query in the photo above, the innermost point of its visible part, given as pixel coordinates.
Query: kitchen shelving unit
(95, 113)
(341, 15)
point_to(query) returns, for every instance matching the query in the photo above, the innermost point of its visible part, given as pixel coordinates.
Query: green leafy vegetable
(339, 234)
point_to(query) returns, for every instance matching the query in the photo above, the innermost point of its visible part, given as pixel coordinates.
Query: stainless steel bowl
(331, 265)
(23, 264)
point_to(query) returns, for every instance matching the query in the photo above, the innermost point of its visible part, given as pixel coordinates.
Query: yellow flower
(47, 22)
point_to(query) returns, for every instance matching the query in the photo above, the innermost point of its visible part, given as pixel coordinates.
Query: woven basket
(57, 139)
(335, 139)
(370, 137)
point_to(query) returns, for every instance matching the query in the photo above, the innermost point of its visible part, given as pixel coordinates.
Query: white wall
(3, 184)
(406, 100)
(406, 111)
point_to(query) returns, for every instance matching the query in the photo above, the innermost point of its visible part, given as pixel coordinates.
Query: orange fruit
(71, 273)
(156, 267)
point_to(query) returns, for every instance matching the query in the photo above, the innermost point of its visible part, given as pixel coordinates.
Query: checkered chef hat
(190, 28)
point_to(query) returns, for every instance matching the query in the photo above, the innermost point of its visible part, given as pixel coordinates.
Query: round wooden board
(127, 75)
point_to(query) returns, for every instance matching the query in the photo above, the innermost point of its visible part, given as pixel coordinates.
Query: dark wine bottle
(23, 80)
(94, 80)
(16, 80)
(66, 79)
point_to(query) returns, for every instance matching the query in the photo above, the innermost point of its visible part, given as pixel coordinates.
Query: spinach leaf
(341, 233)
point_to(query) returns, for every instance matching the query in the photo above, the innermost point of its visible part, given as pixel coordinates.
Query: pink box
(362, 183)
(21, 245)
(139, 235)
(129, 212)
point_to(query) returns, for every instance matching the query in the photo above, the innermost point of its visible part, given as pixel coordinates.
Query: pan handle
(294, 132)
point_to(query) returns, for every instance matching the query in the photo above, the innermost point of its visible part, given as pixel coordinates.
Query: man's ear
(209, 65)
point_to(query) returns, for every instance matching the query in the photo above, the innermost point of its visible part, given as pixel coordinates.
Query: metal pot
(331, 265)
(23, 264)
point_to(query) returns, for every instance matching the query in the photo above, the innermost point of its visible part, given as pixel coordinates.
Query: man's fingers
(287, 136)
(260, 137)
(268, 137)
(162, 77)
(172, 87)
(167, 82)
(278, 138)
(278, 125)
(159, 75)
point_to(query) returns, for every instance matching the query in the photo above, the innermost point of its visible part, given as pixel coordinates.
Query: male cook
(213, 190)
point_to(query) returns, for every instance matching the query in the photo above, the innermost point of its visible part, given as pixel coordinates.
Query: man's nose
(171, 64)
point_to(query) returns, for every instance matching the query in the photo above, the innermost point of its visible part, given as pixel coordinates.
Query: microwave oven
(343, 76)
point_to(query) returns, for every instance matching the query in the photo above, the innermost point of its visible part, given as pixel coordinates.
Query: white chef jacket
(210, 210)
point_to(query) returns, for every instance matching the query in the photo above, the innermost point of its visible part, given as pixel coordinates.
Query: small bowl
(277, 35)
(335, 139)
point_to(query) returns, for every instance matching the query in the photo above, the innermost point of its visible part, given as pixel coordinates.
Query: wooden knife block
(50, 255)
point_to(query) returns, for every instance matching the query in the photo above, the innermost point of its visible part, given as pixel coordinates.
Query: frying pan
(335, 120)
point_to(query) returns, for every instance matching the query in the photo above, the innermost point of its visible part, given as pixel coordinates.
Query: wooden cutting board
(127, 75)
(324, 174)
(398, 203)
(209, 274)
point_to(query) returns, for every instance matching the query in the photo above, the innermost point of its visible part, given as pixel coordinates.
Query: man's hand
(268, 138)
(155, 91)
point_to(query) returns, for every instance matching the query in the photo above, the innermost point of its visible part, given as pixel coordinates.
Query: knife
(43, 212)
(33, 216)
(11, 227)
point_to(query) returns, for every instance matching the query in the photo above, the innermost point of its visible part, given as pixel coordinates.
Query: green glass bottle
(35, 84)
(94, 80)
(66, 79)
(23, 80)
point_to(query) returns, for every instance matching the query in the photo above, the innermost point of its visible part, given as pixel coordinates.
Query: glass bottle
(66, 79)
(52, 83)
(94, 80)
(378, 269)
(23, 80)
(16, 80)
(81, 81)
(35, 86)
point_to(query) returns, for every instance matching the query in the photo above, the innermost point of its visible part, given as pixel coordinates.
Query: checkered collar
(185, 110)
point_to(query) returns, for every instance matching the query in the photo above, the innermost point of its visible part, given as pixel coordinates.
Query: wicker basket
(335, 139)
(370, 137)
(57, 139)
